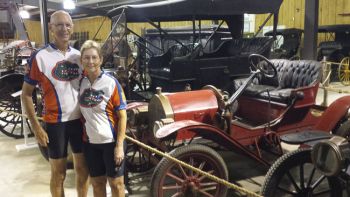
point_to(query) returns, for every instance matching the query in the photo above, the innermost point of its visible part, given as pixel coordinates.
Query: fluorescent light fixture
(24, 14)
(68, 4)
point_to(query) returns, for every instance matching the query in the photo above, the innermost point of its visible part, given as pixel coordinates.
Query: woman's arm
(119, 151)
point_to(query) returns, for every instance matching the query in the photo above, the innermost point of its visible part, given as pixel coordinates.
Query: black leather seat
(291, 75)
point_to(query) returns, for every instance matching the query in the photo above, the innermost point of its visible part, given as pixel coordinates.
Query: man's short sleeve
(34, 74)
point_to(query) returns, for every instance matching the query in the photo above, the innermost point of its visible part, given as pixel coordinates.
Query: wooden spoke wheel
(344, 71)
(171, 179)
(137, 158)
(293, 174)
(10, 124)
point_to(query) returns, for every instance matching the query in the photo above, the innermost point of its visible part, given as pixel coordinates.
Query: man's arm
(28, 104)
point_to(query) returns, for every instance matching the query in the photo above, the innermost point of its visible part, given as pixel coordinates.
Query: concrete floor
(26, 173)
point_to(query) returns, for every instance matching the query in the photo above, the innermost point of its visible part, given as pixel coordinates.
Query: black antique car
(287, 44)
(335, 48)
(193, 63)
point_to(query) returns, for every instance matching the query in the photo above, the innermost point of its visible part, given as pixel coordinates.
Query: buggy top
(334, 28)
(231, 11)
(287, 31)
(171, 10)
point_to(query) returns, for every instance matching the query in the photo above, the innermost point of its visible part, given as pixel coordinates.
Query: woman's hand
(118, 154)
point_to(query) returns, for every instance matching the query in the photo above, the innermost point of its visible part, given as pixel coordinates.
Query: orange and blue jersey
(58, 77)
(99, 103)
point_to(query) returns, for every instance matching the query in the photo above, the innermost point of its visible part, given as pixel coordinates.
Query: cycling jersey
(99, 103)
(58, 76)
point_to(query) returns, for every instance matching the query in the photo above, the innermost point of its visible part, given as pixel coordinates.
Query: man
(55, 69)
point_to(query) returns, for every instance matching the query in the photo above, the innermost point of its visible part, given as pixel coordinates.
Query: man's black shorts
(60, 134)
(100, 160)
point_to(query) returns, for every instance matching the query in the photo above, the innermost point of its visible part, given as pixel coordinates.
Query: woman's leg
(99, 186)
(117, 186)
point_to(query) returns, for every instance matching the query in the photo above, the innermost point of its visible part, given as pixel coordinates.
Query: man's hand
(41, 136)
(118, 154)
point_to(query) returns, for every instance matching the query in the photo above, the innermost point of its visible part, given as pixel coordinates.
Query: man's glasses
(62, 25)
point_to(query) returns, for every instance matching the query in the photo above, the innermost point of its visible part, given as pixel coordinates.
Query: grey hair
(56, 13)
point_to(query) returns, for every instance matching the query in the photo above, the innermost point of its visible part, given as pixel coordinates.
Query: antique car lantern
(331, 156)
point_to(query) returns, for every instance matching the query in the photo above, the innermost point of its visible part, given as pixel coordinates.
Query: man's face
(61, 28)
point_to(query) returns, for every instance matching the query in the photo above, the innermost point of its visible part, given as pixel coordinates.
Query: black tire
(344, 129)
(198, 156)
(10, 124)
(282, 182)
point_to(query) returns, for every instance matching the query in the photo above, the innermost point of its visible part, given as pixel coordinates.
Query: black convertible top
(285, 31)
(174, 10)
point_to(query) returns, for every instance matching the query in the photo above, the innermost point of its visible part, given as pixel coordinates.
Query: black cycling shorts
(60, 134)
(100, 160)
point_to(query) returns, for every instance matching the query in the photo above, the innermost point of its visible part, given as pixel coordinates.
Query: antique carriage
(14, 57)
(287, 44)
(336, 48)
(216, 59)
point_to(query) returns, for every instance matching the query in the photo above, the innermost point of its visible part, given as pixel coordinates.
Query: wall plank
(329, 14)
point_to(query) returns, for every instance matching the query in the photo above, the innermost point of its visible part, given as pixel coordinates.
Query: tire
(344, 129)
(279, 179)
(191, 185)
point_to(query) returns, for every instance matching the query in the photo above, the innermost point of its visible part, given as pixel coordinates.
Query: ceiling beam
(59, 6)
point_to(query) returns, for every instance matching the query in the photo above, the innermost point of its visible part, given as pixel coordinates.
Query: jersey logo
(65, 71)
(91, 98)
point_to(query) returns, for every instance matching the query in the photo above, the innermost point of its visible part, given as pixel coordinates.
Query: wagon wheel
(10, 124)
(171, 179)
(294, 175)
(344, 71)
(137, 159)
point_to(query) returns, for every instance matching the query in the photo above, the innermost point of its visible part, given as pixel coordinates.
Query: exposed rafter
(52, 6)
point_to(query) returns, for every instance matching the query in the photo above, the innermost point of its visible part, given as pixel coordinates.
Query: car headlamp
(331, 156)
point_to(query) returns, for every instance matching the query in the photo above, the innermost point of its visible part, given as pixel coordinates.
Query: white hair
(57, 13)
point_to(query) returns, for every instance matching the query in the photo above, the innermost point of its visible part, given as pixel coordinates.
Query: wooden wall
(92, 25)
(292, 14)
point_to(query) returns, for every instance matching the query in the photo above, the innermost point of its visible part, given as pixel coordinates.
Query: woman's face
(91, 60)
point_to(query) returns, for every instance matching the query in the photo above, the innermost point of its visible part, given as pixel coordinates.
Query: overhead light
(24, 14)
(68, 4)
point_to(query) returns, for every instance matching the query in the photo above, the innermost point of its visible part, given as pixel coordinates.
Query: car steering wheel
(257, 61)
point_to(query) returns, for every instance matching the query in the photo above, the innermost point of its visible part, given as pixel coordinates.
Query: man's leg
(82, 174)
(58, 174)
(99, 185)
(117, 186)
(75, 132)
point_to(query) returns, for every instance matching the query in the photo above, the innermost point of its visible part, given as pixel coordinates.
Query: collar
(99, 77)
(54, 47)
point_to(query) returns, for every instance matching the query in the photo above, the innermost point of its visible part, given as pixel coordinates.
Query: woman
(102, 103)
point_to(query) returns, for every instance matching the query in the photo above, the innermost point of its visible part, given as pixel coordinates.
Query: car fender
(133, 105)
(333, 114)
(210, 132)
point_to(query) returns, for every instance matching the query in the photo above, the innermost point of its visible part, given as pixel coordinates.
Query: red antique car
(278, 98)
